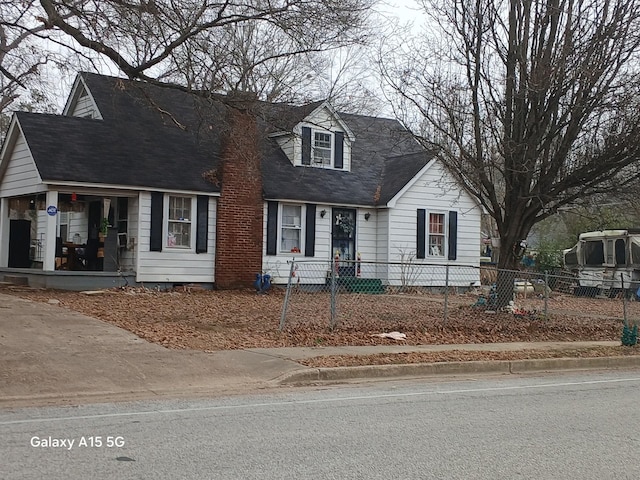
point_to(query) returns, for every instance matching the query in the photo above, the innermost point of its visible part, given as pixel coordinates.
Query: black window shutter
(157, 207)
(420, 241)
(310, 232)
(453, 235)
(306, 146)
(339, 150)
(272, 228)
(202, 224)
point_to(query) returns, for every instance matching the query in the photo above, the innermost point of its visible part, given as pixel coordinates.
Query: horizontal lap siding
(366, 240)
(382, 245)
(78, 223)
(419, 274)
(40, 234)
(128, 257)
(85, 108)
(288, 146)
(277, 265)
(436, 192)
(367, 245)
(21, 176)
(172, 265)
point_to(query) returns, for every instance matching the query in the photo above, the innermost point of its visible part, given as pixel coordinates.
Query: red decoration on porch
(74, 197)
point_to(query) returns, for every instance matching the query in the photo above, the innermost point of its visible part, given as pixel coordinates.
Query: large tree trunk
(511, 252)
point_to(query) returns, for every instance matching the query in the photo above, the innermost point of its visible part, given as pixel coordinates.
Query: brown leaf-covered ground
(221, 320)
(463, 356)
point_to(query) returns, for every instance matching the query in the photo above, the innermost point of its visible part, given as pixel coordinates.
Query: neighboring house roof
(164, 138)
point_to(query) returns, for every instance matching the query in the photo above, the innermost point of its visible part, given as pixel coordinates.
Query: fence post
(333, 320)
(286, 298)
(624, 299)
(546, 295)
(446, 293)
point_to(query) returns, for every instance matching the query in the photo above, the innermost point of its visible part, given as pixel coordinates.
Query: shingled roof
(384, 158)
(163, 138)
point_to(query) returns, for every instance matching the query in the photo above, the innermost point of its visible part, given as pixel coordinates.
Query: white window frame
(281, 227)
(315, 132)
(191, 221)
(445, 218)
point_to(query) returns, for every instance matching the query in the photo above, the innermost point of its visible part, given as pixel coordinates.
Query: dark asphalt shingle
(163, 138)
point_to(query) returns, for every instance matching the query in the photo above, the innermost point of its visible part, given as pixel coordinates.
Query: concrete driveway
(49, 354)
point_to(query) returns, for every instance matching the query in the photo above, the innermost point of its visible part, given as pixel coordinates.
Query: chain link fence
(341, 292)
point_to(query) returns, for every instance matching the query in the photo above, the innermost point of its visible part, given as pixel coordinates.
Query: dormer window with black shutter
(322, 148)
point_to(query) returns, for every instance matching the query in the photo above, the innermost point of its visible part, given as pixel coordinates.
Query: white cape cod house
(140, 184)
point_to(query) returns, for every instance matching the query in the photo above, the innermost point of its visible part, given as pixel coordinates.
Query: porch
(68, 280)
(67, 232)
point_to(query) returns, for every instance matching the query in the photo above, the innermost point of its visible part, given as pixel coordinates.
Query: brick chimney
(240, 207)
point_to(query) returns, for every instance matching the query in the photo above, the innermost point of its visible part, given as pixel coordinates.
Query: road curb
(338, 374)
(545, 364)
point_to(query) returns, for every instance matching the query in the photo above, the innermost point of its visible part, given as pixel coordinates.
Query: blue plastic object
(262, 282)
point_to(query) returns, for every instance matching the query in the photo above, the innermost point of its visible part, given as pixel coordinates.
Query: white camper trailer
(605, 262)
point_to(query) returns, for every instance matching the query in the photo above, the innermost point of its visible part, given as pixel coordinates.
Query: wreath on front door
(345, 224)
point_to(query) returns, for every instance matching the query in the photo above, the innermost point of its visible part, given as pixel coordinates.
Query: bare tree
(216, 44)
(250, 57)
(531, 104)
(22, 58)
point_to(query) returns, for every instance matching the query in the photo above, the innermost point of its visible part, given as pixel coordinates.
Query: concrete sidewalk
(48, 352)
(52, 355)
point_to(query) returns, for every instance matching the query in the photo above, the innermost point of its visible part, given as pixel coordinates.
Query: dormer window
(322, 149)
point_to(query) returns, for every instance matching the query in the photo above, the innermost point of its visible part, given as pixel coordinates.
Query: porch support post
(49, 263)
(4, 232)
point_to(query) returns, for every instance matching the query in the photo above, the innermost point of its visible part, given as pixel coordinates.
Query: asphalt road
(582, 426)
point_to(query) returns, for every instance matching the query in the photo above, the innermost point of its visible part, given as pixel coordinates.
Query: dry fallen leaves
(220, 320)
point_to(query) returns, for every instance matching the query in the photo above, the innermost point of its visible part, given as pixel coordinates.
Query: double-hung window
(322, 148)
(179, 222)
(436, 234)
(291, 233)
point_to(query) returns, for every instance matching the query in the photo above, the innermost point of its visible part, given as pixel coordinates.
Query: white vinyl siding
(366, 241)
(367, 244)
(128, 254)
(39, 237)
(437, 192)
(277, 265)
(84, 105)
(382, 242)
(63, 226)
(288, 146)
(172, 264)
(21, 176)
(78, 224)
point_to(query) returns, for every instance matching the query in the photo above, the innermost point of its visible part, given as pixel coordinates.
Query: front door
(343, 233)
(19, 243)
